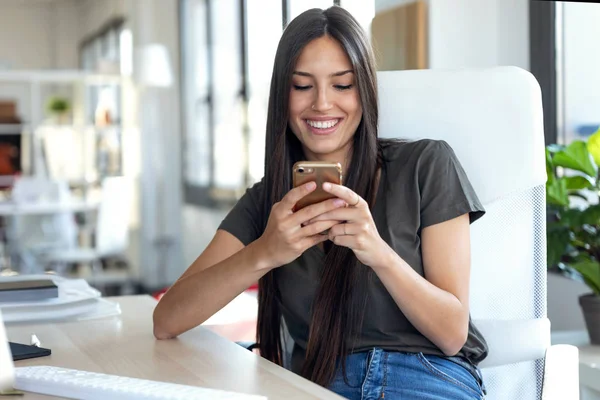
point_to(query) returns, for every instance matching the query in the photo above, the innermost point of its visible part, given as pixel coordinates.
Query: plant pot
(590, 305)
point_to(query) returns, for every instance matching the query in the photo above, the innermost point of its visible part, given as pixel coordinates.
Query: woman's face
(325, 107)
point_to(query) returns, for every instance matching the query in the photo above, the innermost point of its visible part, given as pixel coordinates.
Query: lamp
(153, 75)
(153, 67)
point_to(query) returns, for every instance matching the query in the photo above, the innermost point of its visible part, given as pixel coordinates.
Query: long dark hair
(338, 306)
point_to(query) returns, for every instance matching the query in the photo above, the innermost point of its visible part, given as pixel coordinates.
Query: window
(228, 49)
(103, 52)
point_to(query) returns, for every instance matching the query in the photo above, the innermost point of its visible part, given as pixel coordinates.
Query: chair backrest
(43, 232)
(112, 228)
(492, 118)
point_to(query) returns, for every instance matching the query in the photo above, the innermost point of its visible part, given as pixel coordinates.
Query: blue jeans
(380, 374)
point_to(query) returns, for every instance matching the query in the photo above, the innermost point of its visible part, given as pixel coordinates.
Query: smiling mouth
(323, 124)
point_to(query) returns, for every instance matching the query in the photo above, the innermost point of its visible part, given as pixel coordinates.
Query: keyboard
(75, 384)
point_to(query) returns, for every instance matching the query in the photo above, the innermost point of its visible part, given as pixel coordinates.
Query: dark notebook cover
(33, 290)
(22, 351)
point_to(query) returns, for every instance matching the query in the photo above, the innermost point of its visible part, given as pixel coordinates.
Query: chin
(322, 148)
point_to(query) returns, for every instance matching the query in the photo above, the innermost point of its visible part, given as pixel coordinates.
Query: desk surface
(125, 346)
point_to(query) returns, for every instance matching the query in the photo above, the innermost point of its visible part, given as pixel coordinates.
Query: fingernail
(311, 185)
(327, 186)
(339, 202)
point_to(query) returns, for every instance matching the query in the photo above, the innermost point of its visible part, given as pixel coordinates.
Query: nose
(322, 102)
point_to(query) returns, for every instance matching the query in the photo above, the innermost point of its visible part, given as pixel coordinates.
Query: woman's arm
(224, 270)
(438, 303)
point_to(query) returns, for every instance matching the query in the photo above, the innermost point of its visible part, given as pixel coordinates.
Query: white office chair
(31, 234)
(111, 233)
(492, 118)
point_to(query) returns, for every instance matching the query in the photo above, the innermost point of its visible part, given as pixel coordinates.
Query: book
(27, 290)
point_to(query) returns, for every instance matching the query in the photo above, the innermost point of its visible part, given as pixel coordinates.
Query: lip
(322, 132)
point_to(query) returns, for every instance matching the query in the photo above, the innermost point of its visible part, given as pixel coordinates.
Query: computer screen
(7, 372)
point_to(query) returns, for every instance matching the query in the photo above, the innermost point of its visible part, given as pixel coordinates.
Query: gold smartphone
(319, 172)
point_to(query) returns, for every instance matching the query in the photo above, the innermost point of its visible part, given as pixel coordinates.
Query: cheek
(353, 108)
(297, 104)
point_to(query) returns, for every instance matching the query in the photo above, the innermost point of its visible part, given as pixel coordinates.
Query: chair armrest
(561, 373)
(512, 341)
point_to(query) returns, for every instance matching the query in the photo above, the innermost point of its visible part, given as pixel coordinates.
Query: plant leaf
(593, 146)
(578, 182)
(572, 218)
(577, 157)
(550, 171)
(591, 215)
(556, 192)
(558, 240)
(590, 270)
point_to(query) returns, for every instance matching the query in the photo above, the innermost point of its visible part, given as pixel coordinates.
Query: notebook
(27, 290)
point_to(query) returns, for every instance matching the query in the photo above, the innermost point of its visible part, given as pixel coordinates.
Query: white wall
(27, 33)
(67, 34)
(581, 65)
(95, 13)
(36, 35)
(475, 33)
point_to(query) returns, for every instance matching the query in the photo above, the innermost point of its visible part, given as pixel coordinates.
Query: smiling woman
(378, 305)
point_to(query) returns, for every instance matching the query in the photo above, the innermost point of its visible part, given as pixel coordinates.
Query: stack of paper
(76, 301)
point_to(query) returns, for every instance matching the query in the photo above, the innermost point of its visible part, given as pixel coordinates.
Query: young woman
(379, 306)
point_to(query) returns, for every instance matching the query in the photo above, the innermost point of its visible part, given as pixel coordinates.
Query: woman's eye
(298, 87)
(343, 87)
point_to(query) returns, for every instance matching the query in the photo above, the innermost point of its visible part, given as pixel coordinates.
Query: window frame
(204, 195)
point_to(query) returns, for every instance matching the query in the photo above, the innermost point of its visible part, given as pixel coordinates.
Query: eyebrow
(340, 73)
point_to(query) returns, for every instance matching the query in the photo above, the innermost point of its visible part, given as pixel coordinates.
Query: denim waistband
(471, 368)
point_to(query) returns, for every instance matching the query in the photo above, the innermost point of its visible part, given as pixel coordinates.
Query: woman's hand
(355, 228)
(287, 235)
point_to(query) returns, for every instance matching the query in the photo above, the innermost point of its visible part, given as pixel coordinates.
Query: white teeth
(322, 124)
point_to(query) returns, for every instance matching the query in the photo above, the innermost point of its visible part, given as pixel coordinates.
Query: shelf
(10, 129)
(59, 76)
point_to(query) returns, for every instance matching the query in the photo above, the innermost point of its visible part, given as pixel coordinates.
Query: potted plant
(573, 240)
(58, 107)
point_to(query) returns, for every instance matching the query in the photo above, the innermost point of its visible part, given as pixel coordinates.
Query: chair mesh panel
(508, 281)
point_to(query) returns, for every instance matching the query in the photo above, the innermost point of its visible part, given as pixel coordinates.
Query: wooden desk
(125, 346)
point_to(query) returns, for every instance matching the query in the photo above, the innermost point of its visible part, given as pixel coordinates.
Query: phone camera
(301, 170)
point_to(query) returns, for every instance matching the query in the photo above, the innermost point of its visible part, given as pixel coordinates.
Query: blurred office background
(128, 128)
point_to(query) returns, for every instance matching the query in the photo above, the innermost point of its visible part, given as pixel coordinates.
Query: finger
(317, 227)
(340, 230)
(343, 240)
(294, 195)
(344, 193)
(315, 220)
(313, 210)
(314, 240)
(340, 214)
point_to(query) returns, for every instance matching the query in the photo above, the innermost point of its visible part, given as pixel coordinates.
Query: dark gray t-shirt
(422, 183)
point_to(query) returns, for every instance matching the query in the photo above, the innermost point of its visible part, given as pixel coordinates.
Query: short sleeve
(245, 221)
(445, 190)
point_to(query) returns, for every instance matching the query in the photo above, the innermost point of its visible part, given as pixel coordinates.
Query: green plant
(58, 105)
(572, 197)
